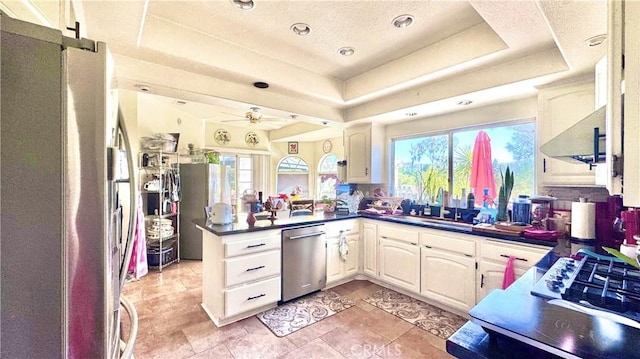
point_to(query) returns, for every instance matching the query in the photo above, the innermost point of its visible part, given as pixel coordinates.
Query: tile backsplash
(566, 195)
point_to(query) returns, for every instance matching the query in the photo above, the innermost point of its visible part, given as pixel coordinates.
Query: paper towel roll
(583, 220)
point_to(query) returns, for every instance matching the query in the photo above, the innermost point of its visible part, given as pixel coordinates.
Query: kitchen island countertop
(284, 221)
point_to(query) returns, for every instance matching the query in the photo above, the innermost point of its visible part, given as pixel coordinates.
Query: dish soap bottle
(471, 200)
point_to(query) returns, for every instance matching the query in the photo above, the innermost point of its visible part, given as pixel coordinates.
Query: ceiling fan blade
(242, 120)
(233, 114)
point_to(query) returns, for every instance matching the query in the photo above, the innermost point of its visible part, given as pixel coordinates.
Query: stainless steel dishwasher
(304, 261)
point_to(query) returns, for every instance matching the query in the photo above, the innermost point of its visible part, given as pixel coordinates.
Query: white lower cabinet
(400, 264)
(240, 274)
(370, 249)
(491, 275)
(493, 262)
(449, 278)
(448, 273)
(337, 268)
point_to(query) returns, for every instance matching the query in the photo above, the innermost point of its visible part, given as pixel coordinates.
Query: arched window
(293, 176)
(327, 177)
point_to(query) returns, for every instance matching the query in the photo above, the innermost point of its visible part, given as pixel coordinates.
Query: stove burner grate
(606, 283)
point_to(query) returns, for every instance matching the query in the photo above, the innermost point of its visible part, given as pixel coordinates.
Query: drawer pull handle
(518, 258)
(256, 245)
(426, 246)
(256, 297)
(468, 255)
(255, 268)
(345, 230)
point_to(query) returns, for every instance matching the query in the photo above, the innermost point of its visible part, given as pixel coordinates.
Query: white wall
(506, 111)
(155, 116)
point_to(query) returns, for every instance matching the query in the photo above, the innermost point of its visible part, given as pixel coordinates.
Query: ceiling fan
(254, 116)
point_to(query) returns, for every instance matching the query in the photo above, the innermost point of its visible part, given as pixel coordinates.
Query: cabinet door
(559, 109)
(448, 278)
(359, 156)
(631, 114)
(352, 263)
(334, 262)
(490, 276)
(400, 264)
(370, 255)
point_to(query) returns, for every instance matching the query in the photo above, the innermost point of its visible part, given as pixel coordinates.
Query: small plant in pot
(331, 204)
(505, 193)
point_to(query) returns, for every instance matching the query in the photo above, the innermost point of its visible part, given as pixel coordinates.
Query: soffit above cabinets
(211, 52)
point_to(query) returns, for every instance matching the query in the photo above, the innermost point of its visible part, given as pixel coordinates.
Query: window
(422, 165)
(293, 176)
(238, 172)
(327, 177)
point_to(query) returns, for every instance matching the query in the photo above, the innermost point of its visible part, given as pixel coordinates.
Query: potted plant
(331, 204)
(504, 195)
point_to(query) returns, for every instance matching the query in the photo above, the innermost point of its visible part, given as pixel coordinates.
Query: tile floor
(173, 325)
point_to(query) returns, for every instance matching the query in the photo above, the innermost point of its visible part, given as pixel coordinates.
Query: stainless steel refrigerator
(61, 255)
(201, 185)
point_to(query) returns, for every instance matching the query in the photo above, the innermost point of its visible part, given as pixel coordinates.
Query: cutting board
(493, 230)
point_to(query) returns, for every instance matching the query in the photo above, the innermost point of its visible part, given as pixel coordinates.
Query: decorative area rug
(426, 316)
(297, 314)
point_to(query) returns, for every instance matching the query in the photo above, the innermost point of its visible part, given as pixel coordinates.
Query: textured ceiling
(209, 53)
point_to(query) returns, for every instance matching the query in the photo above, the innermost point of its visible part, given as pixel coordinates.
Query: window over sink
(423, 164)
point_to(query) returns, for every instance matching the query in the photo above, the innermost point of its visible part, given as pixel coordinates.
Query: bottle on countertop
(259, 205)
(471, 200)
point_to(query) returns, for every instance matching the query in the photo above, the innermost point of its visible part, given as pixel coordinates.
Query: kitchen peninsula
(242, 263)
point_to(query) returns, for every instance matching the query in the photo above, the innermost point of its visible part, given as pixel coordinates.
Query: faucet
(457, 215)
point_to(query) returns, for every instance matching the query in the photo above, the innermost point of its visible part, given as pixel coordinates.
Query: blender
(542, 209)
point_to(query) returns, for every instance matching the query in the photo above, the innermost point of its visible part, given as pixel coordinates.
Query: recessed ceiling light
(261, 85)
(403, 21)
(300, 29)
(243, 4)
(411, 114)
(143, 88)
(465, 102)
(346, 51)
(595, 40)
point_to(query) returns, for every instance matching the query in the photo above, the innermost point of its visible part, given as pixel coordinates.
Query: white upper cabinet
(631, 104)
(558, 109)
(365, 154)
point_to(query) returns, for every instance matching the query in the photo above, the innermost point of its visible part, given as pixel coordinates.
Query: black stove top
(607, 284)
(586, 308)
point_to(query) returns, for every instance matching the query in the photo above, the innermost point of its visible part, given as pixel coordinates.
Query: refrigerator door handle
(133, 199)
(126, 348)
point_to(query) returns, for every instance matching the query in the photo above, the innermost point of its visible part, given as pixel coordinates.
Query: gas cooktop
(586, 308)
(593, 282)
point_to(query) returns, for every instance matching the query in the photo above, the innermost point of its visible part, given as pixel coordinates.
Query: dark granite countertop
(284, 221)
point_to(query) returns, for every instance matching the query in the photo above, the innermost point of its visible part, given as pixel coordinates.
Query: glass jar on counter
(521, 212)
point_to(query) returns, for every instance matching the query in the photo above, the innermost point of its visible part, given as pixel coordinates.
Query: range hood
(580, 143)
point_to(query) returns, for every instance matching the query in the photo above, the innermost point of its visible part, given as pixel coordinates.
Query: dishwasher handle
(314, 234)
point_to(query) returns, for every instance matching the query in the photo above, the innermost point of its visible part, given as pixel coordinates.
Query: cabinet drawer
(526, 256)
(399, 233)
(248, 297)
(247, 268)
(254, 245)
(466, 247)
(334, 228)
